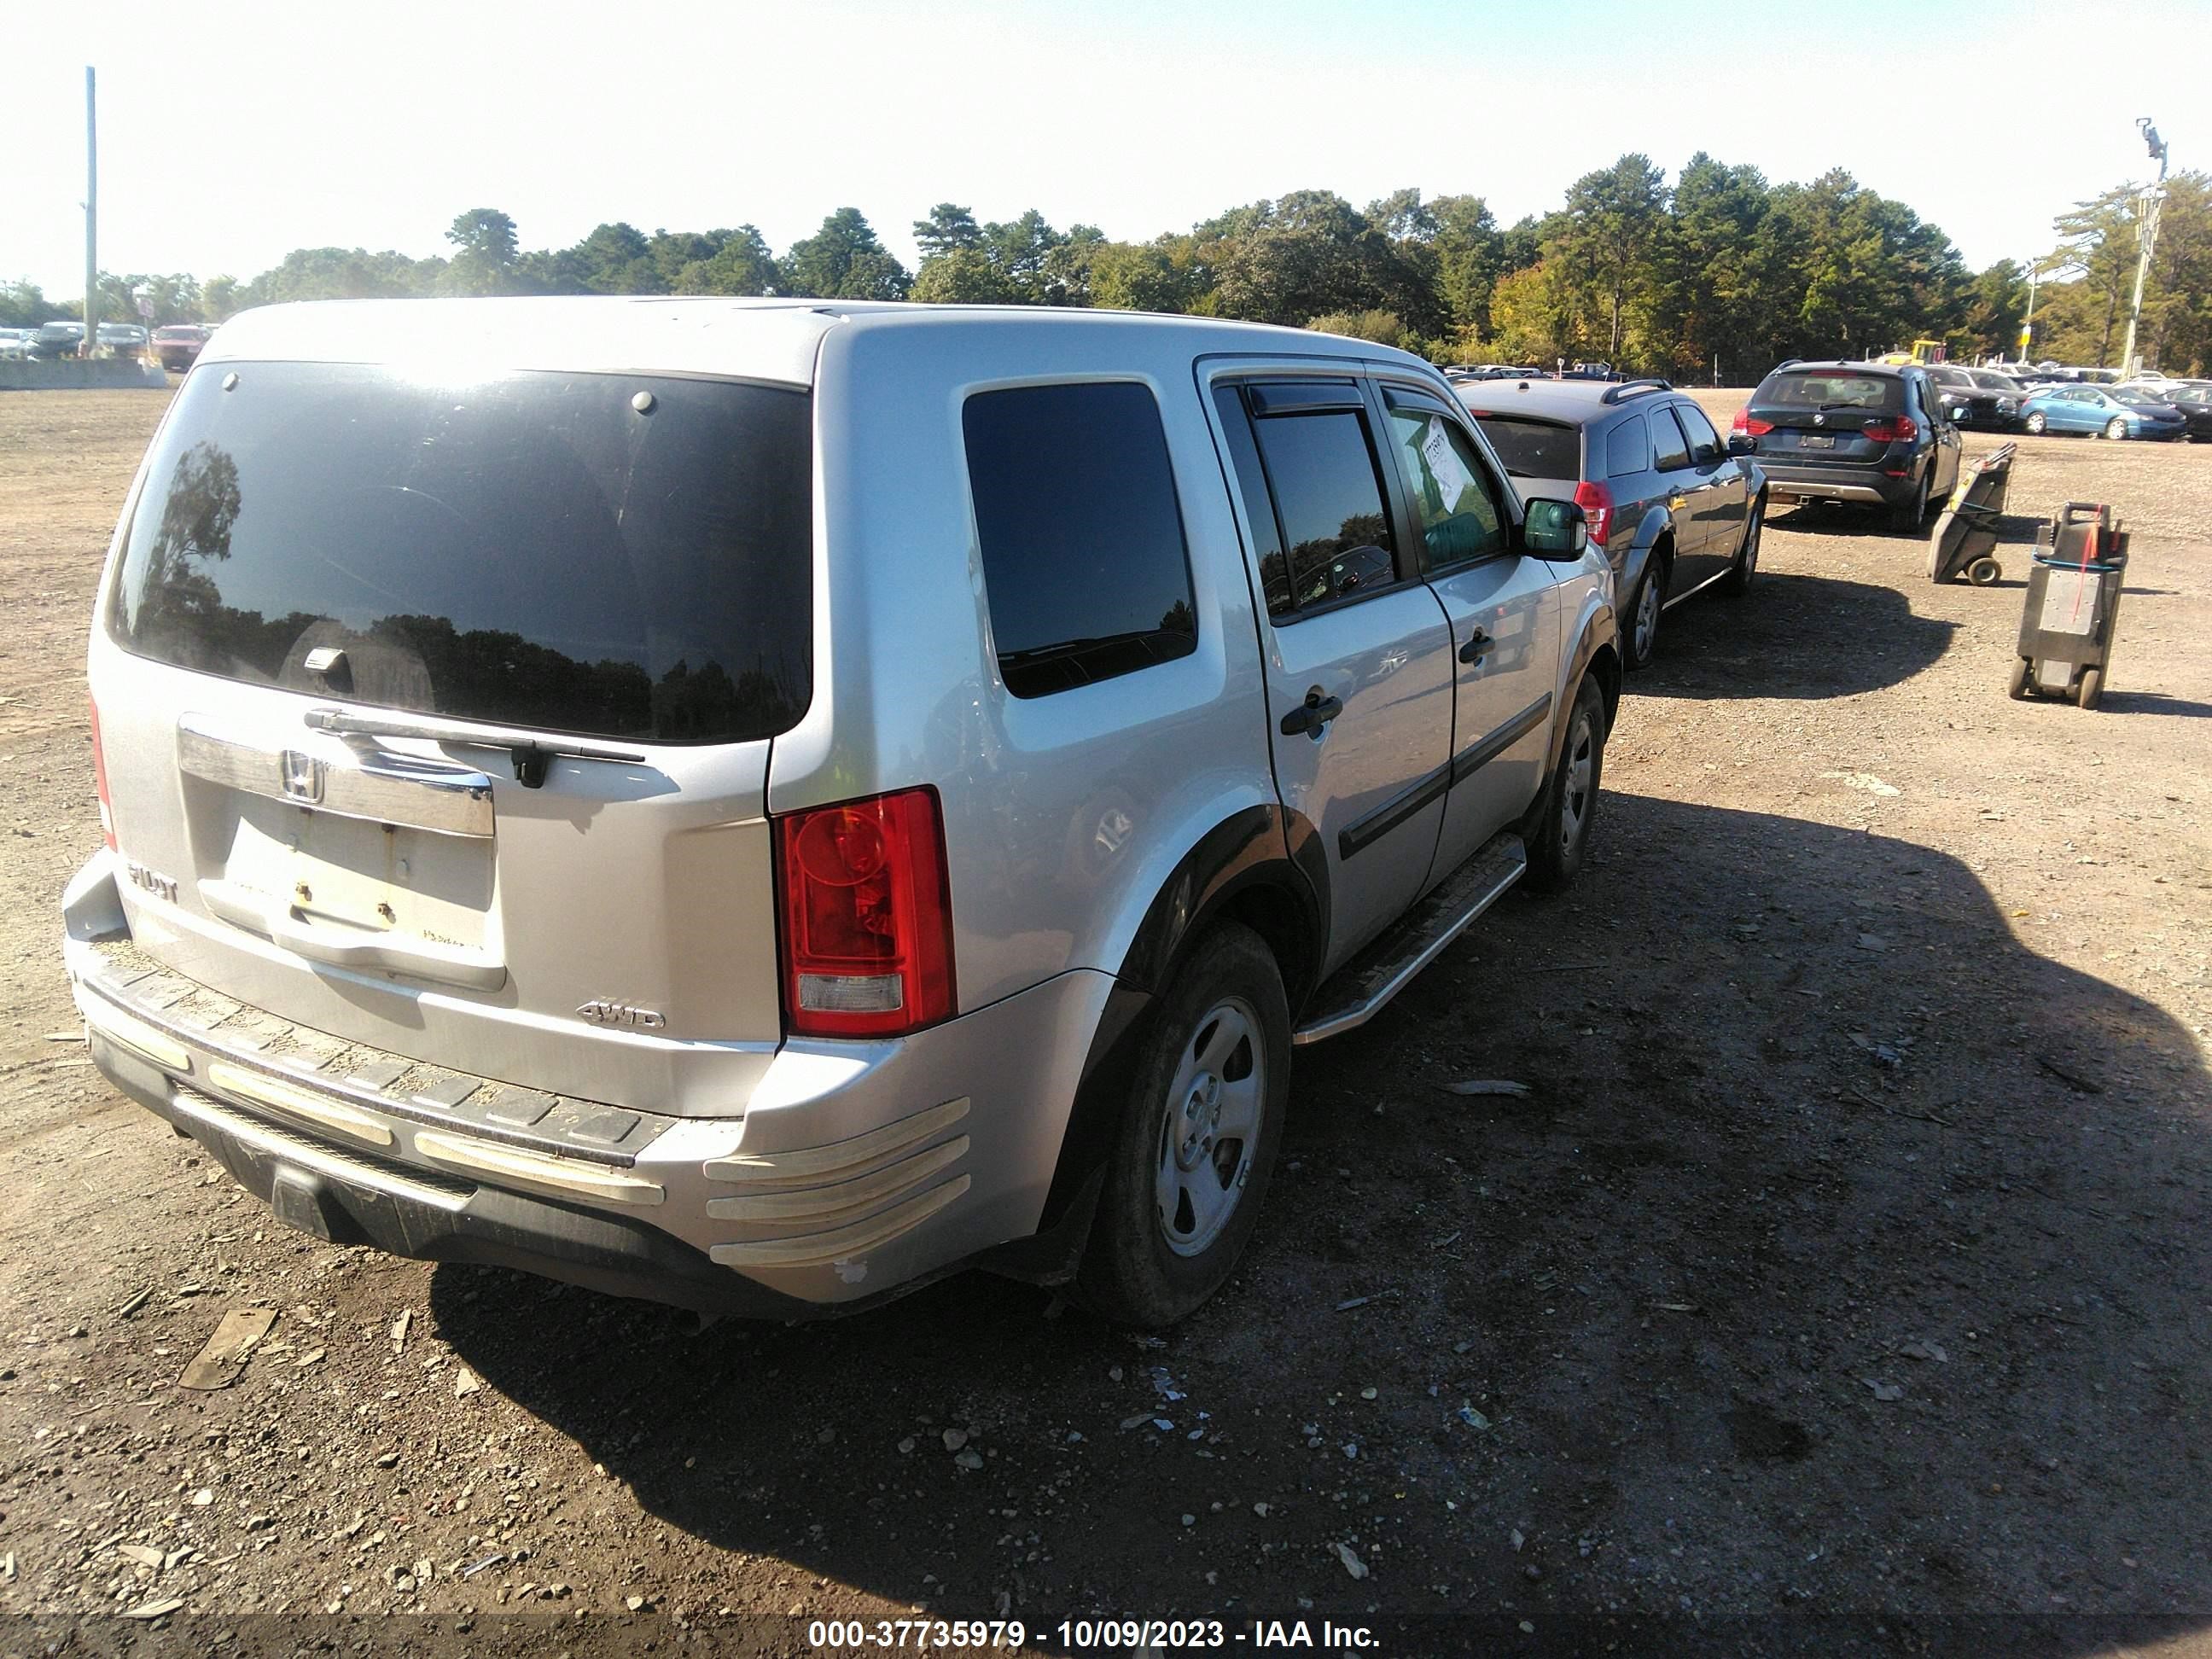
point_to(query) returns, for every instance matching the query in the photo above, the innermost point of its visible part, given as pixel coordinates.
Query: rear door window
(608, 554)
(1674, 448)
(1086, 571)
(1325, 481)
(1627, 449)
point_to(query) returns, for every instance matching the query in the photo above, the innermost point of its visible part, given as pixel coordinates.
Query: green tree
(741, 264)
(487, 257)
(964, 276)
(1613, 237)
(843, 261)
(948, 229)
(23, 304)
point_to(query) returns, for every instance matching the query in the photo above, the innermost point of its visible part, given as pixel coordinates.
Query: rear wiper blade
(530, 750)
(1070, 647)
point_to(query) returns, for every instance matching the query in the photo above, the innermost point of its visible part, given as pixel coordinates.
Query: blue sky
(232, 132)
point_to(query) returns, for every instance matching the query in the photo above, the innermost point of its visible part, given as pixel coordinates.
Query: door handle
(1472, 651)
(1311, 715)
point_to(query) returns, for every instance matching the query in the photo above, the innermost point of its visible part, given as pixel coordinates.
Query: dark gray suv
(1677, 509)
(1882, 434)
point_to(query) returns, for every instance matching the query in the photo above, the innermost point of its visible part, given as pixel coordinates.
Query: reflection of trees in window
(197, 513)
(1312, 559)
(1178, 619)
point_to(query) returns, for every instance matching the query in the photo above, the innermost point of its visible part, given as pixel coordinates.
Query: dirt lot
(1849, 1256)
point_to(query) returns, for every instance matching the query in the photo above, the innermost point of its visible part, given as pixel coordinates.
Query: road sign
(146, 307)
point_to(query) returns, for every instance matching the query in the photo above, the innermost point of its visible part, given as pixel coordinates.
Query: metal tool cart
(1966, 534)
(2073, 607)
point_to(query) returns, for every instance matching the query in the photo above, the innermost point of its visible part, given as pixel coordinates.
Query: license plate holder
(1817, 441)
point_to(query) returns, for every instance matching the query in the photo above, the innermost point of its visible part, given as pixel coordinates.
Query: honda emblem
(303, 776)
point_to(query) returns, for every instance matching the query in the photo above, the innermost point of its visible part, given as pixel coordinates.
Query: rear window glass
(1084, 570)
(1811, 388)
(614, 556)
(1533, 449)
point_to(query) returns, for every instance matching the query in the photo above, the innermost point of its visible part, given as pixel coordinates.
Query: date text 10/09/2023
(1079, 1635)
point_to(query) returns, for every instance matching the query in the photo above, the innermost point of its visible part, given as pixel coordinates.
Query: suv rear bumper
(853, 1170)
(1788, 480)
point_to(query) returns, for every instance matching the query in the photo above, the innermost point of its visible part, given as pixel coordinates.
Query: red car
(178, 344)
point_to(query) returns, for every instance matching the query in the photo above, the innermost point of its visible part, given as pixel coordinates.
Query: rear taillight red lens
(1596, 503)
(100, 782)
(1750, 425)
(1893, 429)
(867, 917)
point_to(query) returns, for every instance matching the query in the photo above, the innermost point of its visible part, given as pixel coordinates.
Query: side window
(1705, 446)
(1673, 447)
(1085, 567)
(1454, 497)
(1327, 493)
(1627, 449)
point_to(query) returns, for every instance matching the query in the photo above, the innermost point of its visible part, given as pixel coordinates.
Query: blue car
(2094, 409)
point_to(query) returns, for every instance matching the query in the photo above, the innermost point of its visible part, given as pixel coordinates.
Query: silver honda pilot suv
(758, 805)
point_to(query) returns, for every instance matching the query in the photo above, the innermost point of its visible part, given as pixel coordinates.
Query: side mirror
(1554, 529)
(1743, 443)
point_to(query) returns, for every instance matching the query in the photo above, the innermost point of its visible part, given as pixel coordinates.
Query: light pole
(2146, 233)
(2027, 322)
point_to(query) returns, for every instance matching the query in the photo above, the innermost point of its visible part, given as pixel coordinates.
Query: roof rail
(1614, 394)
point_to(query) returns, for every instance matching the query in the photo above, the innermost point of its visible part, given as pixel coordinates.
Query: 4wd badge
(601, 1011)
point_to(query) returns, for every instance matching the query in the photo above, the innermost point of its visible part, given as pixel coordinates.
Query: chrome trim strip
(380, 787)
(316, 1108)
(847, 1156)
(834, 1202)
(844, 1243)
(561, 1174)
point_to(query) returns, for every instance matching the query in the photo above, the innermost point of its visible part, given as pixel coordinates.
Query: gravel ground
(1847, 1257)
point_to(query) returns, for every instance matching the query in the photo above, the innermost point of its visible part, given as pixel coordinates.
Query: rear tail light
(100, 782)
(867, 917)
(1893, 429)
(1596, 503)
(1750, 425)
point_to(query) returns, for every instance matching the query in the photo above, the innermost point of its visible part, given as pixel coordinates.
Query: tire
(1906, 520)
(1983, 572)
(1744, 570)
(1158, 1248)
(2090, 689)
(2116, 428)
(2018, 688)
(2035, 425)
(1639, 637)
(1558, 827)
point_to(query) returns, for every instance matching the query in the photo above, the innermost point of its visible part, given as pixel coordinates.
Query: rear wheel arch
(1246, 870)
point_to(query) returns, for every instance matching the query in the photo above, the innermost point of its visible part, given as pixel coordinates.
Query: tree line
(1718, 274)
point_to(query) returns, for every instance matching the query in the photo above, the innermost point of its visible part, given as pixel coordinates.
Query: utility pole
(91, 219)
(2146, 234)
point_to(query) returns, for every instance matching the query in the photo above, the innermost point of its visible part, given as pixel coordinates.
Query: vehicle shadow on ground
(1792, 636)
(1845, 1254)
(2151, 703)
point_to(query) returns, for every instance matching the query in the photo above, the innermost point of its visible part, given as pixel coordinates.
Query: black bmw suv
(1882, 434)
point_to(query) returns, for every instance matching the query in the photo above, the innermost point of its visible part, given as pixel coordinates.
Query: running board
(1360, 989)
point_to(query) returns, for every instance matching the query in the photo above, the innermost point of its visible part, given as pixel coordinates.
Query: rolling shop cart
(2073, 606)
(1966, 534)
